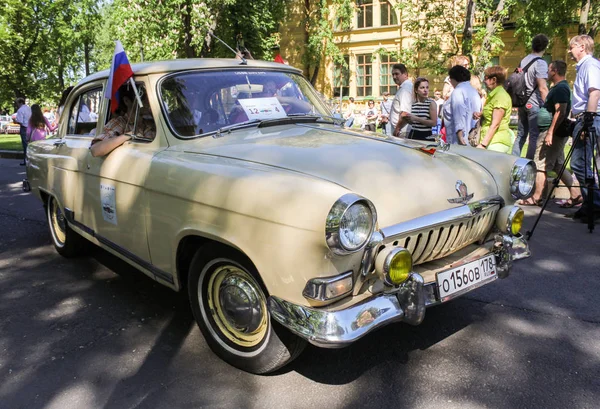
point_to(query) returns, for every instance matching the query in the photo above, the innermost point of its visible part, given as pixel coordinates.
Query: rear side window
(83, 117)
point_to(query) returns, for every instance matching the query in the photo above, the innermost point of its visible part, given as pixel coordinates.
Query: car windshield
(198, 103)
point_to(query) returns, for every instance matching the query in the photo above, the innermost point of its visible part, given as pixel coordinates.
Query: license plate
(467, 277)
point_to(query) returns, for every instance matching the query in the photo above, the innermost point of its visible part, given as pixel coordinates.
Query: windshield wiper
(241, 125)
(319, 118)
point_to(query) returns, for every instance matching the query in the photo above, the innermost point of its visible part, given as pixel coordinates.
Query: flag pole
(137, 93)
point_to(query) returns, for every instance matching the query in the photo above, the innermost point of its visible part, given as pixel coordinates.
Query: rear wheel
(230, 306)
(66, 241)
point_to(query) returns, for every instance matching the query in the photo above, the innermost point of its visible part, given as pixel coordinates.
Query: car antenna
(237, 54)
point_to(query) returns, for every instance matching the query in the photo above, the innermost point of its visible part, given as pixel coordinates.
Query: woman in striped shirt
(423, 114)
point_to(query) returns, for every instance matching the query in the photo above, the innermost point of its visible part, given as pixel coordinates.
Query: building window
(364, 78)
(365, 13)
(385, 75)
(388, 14)
(341, 78)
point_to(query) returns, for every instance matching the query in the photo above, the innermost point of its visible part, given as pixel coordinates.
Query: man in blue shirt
(586, 104)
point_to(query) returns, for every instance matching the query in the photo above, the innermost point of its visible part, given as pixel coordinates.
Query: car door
(115, 194)
(68, 156)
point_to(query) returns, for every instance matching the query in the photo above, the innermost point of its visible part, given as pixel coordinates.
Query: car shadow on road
(392, 344)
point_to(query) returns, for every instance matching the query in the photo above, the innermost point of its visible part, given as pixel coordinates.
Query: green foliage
(431, 24)
(319, 23)
(42, 46)
(46, 45)
(536, 17)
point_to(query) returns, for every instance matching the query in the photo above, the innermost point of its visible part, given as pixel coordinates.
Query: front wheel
(66, 241)
(230, 307)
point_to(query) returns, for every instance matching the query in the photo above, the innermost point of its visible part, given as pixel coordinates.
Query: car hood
(400, 179)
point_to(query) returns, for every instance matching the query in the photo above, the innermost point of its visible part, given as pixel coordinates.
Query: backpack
(516, 86)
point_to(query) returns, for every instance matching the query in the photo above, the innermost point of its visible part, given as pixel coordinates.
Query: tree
(320, 23)
(431, 26)
(536, 17)
(497, 11)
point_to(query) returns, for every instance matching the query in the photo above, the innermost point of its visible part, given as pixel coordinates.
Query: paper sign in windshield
(262, 108)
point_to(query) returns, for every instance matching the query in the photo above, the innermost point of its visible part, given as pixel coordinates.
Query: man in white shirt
(458, 110)
(585, 107)
(402, 101)
(22, 118)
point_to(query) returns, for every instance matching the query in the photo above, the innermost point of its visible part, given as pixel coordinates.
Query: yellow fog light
(394, 265)
(515, 220)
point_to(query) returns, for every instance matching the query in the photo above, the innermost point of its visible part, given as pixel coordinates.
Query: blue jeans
(387, 128)
(349, 122)
(581, 162)
(527, 125)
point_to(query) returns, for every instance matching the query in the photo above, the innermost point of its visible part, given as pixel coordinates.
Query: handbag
(475, 134)
(566, 128)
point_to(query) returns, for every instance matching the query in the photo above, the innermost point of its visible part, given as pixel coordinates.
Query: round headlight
(350, 224)
(356, 226)
(522, 179)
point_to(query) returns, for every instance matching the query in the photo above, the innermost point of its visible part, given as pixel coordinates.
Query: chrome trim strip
(163, 275)
(433, 220)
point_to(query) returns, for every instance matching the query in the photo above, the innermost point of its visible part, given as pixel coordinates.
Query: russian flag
(120, 72)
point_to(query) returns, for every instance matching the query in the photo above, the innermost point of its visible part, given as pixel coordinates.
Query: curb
(11, 154)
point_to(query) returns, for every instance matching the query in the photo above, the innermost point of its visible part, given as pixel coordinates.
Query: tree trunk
(584, 12)
(188, 49)
(86, 57)
(61, 72)
(490, 31)
(315, 74)
(307, 34)
(467, 40)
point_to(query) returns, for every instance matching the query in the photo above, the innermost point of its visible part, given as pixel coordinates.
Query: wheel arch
(190, 244)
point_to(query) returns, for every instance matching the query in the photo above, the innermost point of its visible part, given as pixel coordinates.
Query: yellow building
(377, 25)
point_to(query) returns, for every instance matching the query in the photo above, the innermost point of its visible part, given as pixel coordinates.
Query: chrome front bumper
(336, 329)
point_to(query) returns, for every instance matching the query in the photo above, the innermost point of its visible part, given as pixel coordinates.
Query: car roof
(168, 66)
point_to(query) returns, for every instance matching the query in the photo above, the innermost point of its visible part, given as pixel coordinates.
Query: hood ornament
(463, 193)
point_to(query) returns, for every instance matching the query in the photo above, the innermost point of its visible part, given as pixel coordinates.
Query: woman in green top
(495, 132)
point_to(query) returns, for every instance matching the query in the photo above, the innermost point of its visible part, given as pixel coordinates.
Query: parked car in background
(281, 226)
(5, 121)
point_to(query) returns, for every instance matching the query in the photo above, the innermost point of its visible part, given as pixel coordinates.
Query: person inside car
(119, 129)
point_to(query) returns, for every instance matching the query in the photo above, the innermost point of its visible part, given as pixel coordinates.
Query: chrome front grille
(431, 237)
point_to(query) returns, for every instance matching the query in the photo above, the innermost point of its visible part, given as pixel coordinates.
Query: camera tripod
(588, 136)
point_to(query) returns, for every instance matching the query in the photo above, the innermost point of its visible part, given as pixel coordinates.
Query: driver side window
(83, 117)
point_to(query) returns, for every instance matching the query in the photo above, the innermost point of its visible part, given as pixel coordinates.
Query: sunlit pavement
(94, 333)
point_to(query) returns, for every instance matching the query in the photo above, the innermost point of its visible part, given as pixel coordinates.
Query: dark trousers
(419, 135)
(581, 163)
(23, 133)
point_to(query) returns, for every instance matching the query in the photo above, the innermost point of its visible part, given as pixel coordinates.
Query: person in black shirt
(553, 124)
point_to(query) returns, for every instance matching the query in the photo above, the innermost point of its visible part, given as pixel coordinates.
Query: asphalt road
(94, 333)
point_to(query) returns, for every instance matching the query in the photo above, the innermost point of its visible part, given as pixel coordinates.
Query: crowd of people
(462, 113)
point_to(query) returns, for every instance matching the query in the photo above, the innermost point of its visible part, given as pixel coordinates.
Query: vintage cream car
(281, 225)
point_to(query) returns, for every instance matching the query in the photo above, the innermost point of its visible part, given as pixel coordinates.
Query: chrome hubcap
(59, 225)
(237, 305)
(241, 304)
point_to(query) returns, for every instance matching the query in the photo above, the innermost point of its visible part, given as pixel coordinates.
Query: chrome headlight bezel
(334, 218)
(520, 170)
